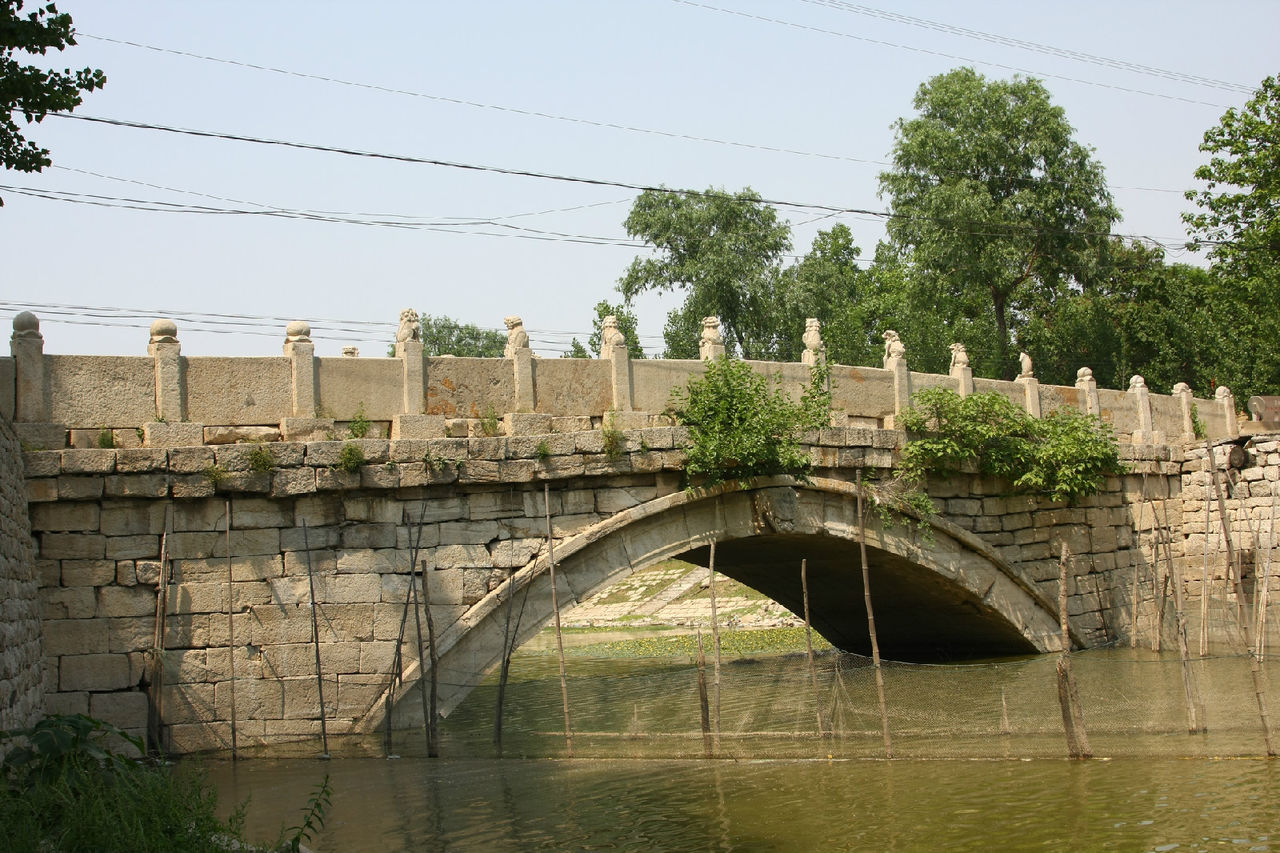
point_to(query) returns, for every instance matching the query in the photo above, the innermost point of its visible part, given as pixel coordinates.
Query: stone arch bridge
(236, 482)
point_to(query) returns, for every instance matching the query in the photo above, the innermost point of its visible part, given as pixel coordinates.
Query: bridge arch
(936, 587)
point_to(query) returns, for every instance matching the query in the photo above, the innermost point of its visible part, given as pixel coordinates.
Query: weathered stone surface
(238, 434)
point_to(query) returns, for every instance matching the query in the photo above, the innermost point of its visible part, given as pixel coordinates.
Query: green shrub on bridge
(740, 427)
(1064, 456)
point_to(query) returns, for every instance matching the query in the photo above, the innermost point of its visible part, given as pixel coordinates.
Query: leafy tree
(1240, 216)
(827, 284)
(724, 249)
(999, 207)
(741, 428)
(32, 92)
(626, 324)
(1239, 221)
(446, 336)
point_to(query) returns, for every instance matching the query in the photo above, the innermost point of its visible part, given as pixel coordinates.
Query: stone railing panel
(234, 391)
(91, 391)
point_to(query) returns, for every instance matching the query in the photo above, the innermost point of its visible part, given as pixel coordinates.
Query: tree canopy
(446, 336)
(999, 208)
(626, 324)
(33, 92)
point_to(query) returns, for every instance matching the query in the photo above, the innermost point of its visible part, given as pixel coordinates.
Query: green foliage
(215, 474)
(65, 786)
(489, 424)
(724, 249)
(1197, 425)
(32, 92)
(350, 458)
(1064, 456)
(626, 324)
(260, 459)
(615, 442)
(998, 207)
(446, 336)
(106, 439)
(359, 426)
(312, 816)
(741, 428)
(543, 451)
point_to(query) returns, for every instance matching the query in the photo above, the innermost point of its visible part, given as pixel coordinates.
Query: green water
(979, 763)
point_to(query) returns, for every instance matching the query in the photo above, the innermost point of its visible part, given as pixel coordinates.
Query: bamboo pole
(715, 641)
(707, 748)
(231, 639)
(155, 720)
(808, 643)
(315, 642)
(1159, 581)
(1233, 566)
(555, 609)
(1204, 578)
(1133, 629)
(1260, 644)
(871, 619)
(435, 661)
(397, 659)
(1189, 689)
(428, 725)
(1068, 696)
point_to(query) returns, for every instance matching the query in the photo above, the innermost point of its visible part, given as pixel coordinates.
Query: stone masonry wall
(103, 519)
(21, 695)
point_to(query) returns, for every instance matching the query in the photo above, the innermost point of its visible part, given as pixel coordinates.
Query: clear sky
(706, 88)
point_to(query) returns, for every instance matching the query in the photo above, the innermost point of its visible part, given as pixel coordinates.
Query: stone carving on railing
(517, 337)
(1024, 363)
(815, 351)
(960, 369)
(1089, 390)
(893, 347)
(410, 327)
(164, 332)
(712, 343)
(611, 337)
(1227, 405)
(297, 332)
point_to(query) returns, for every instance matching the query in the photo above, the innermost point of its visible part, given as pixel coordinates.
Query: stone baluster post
(27, 347)
(1145, 433)
(711, 344)
(895, 360)
(164, 348)
(301, 352)
(961, 371)
(521, 355)
(1183, 392)
(1030, 386)
(1227, 405)
(1088, 390)
(613, 348)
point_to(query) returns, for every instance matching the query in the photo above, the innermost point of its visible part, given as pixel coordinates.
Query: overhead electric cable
(1034, 47)
(530, 113)
(949, 56)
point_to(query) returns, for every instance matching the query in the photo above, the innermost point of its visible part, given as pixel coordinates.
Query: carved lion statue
(517, 337)
(410, 328)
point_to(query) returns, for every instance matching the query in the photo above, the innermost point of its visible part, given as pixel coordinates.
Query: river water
(980, 763)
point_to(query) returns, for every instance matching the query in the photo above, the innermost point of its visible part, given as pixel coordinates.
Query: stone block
(318, 510)
(456, 427)
(66, 703)
(526, 423)
(349, 588)
(130, 518)
(407, 426)
(478, 471)
(331, 479)
(306, 429)
(126, 573)
(75, 603)
(240, 434)
(141, 546)
(73, 488)
(191, 486)
(172, 435)
(136, 486)
(461, 556)
(119, 601)
(298, 563)
(256, 698)
(131, 634)
(74, 637)
(93, 672)
(88, 461)
(65, 517)
(41, 436)
(385, 475)
(141, 460)
(190, 460)
(42, 491)
(147, 571)
(308, 538)
(468, 532)
(252, 512)
(42, 463)
(369, 536)
(63, 546)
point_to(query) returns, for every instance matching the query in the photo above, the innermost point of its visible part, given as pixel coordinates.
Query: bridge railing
(168, 399)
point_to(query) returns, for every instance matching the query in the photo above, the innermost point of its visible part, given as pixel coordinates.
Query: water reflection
(964, 784)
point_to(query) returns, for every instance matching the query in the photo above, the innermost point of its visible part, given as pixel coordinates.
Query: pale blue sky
(826, 77)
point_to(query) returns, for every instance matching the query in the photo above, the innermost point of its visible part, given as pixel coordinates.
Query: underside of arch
(938, 591)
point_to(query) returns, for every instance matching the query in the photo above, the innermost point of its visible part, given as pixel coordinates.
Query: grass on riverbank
(761, 641)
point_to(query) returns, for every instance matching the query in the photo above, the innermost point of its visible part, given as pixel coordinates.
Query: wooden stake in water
(155, 720)
(428, 709)
(1204, 580)
(1260, 644)
(231, 639)
(707, 749)
(715, 641)
(1233, 564)
(555, 609)
(1068, 696)
(871, 619)
(315, 642)
(1190, 692)
(808, 644)
(1133, 627)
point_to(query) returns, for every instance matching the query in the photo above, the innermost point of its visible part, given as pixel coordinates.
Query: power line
(941, 54)
(531, 113)
(1035, 47)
